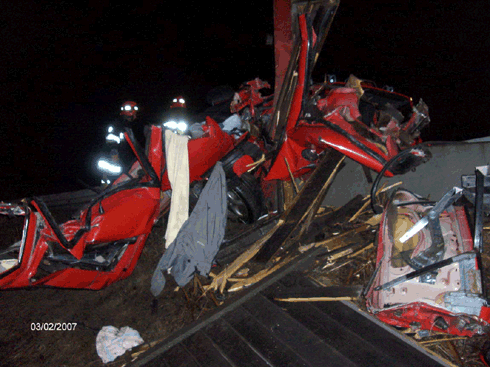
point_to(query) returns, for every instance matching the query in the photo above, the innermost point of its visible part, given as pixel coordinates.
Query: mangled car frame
(281, 136)
(428, 274)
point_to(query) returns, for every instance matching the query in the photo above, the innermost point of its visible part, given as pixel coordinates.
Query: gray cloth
(200, 237)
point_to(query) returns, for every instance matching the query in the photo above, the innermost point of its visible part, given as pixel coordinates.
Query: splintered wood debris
(315, 299)
(219, 282)
(348, 236)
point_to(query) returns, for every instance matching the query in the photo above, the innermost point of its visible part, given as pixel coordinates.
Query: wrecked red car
(428, 276)
(280, 136)
(368, 124)
(103, 244)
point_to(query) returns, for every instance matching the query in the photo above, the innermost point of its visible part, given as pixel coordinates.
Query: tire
(245, 199)
(244, 148)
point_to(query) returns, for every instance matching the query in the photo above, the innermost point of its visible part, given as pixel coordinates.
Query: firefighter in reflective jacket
(176, 118)
(110, 165)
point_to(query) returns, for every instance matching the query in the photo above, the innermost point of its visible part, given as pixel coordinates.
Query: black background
(65, 69)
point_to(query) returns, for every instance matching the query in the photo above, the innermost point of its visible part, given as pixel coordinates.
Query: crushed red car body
(281, 135)
(428, 275)
(104, 242)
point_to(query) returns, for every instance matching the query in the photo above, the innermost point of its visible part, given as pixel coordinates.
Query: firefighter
(178, 102)
(129, 109)
(177, 117)
(111, 164)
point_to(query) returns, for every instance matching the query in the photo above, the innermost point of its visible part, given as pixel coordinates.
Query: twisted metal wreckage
(304, 128)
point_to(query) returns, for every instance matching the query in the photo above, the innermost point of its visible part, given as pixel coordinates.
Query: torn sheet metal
(424, 283)
(98, 247)
(199, 239)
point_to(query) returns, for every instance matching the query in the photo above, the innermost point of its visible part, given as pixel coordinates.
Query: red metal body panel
(126, 214)
(204, 152)
(155, 150)
(291, 152)
(89, 279)
(103, 244)
(296, 104)
(417, 303)
(282, 41)
(319, 137)
(424, 317)
(341, 125)
(119, 221)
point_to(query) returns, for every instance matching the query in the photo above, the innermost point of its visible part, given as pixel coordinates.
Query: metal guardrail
(71, 199)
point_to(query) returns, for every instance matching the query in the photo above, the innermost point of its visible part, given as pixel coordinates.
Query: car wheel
(245, 200)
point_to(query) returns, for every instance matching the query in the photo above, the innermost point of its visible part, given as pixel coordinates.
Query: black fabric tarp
(198, 241)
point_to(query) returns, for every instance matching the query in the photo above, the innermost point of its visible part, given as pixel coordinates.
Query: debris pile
(350, 237)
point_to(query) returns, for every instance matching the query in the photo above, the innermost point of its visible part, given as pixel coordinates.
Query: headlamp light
(109, 167)
(182, 126)
(174, 125)
(171, 124)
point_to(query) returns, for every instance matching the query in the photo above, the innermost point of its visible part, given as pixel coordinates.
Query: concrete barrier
(432, 179)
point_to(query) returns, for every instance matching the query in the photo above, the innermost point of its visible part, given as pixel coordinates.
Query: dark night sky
(66, 68)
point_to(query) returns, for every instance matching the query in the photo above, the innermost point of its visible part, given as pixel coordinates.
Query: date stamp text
(53, 326)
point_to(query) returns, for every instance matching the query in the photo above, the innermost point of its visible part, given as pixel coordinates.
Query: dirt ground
(125, 303)
(130, 303)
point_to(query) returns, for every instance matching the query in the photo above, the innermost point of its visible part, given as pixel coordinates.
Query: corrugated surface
(261, 331)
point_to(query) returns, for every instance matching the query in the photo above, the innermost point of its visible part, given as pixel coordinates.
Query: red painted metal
(121, 215)
(296, 105)
(206, 151)
(423, 316)
(249, 96)
(340, 126)
(414, 303)
(283, 37)
(124, 215)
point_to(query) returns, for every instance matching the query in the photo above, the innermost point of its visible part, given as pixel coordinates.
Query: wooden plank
(233, 346)
(301, 204)
(292, 333)
(205, 351)
(318, 224)
(263, 340)
(230, 249)
(332, 291)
